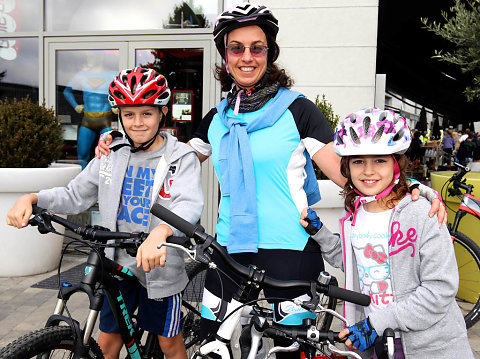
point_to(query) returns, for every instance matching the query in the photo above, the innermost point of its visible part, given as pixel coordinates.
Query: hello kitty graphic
(373, 268)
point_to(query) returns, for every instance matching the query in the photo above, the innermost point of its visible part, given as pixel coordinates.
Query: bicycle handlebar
(43, 217)
(457, 179)
(198, 233)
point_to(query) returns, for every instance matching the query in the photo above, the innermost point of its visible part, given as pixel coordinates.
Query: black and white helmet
(242, 15)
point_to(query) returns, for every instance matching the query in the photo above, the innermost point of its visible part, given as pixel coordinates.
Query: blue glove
(362, 335)
(314, 223)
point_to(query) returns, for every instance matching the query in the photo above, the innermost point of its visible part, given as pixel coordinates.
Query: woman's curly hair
(273, 74)
(399, 190)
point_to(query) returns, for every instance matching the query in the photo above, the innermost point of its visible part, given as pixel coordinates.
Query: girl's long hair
(399, 190)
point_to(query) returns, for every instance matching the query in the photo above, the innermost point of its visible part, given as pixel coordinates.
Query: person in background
(475, 164)
(144, 168)
(465, 150)
(463, 135)
(390, 249)
(448, 145)
(416, 150)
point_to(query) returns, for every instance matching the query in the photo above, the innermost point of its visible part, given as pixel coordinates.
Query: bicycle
(466, 250)
(313, 342)
(63, 336)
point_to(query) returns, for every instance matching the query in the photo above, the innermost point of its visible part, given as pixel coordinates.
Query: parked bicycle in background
(466, 250)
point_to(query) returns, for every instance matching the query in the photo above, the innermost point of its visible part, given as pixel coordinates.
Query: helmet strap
(362, 199)
(143, 146)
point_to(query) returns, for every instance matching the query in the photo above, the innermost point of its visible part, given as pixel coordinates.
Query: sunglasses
(239, 49)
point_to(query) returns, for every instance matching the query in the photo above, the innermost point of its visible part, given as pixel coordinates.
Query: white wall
(329, 47)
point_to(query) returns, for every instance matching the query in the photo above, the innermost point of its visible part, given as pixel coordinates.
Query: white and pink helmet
(372, 131)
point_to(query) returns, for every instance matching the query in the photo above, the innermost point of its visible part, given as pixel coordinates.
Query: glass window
(82, 81)
(19, 68)
(17, 16)
(183, 69)
(94, 15)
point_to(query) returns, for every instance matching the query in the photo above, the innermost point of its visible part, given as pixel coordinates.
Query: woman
(261, 201)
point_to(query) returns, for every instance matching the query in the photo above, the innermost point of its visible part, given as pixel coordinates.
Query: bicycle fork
(89, 324)
(225, 332)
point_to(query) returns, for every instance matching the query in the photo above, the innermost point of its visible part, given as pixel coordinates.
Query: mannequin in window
(93, 81)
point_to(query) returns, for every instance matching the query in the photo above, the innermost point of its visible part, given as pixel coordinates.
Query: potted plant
(30, 141)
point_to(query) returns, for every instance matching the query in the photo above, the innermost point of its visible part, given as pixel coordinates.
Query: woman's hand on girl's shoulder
(417, 189)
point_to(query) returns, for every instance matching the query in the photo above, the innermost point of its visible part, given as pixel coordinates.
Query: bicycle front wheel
(50, 342)
(468, 261)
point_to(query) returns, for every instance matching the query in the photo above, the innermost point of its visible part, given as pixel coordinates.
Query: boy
(149, 167)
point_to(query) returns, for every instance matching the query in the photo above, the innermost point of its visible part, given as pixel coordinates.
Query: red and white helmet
(372, 131)
(139, 86)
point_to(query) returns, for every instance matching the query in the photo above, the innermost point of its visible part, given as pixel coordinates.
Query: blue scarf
(237, 173)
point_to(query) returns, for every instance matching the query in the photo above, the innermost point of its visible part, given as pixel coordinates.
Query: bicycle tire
(192, 306)
(45, 342)
(468, 261)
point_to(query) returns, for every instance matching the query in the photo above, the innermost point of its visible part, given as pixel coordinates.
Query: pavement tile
(24, 309)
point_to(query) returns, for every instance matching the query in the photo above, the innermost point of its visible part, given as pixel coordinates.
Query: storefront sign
(8, 23)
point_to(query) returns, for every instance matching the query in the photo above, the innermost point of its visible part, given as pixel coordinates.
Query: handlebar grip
(174, 220)
(348, 295)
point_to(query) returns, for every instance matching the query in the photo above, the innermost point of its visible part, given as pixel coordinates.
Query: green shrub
(30, 134)
(332, 118)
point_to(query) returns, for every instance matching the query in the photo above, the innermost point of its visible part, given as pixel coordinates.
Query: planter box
(26, 251)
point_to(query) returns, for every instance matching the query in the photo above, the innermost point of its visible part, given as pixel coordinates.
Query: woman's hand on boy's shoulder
(102, 146)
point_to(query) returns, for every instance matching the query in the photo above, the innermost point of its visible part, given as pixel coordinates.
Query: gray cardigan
(424, 277)
(102, 181)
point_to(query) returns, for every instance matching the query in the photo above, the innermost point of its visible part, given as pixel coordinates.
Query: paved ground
(24, 309)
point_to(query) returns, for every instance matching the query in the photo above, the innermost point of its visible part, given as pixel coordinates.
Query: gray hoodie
(424, 278)
(102, 181)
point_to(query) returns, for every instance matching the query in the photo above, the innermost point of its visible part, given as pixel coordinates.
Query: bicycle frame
(100, 270)
(235, 311)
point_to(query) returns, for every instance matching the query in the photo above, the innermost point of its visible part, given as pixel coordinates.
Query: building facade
(66, 53)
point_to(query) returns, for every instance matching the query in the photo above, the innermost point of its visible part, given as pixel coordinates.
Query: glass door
(185, 68)
(77, 75)
(188, 66)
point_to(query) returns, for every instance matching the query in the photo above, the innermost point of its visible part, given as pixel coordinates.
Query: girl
(390, 248)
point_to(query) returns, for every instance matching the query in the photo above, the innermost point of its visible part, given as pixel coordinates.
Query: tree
(186, 16)
(326, 107)
(462, 29)
(327, 110)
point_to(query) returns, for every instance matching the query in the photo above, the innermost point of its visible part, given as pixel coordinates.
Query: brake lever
(43, 223)
(190, 252)
(347, 353)
(321, 309)
(197, 253)
(292, 348)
